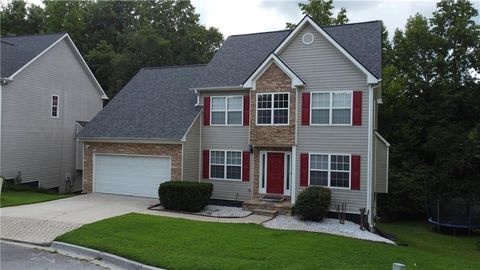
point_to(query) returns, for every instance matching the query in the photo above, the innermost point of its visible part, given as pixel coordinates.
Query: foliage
(321, 13)
(184, 195)
(117, 38)
(313, 203)
(430, 113)
(187, 244)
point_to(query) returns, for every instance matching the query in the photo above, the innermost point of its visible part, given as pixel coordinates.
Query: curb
(102, 256)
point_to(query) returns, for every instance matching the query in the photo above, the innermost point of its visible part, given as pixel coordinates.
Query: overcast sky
(249, 16)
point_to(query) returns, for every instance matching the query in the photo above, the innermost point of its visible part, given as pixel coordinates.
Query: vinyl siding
(78, 150)
(191, 153)
(381, 164)
(325, 68)
(227, 137)
(40, 147)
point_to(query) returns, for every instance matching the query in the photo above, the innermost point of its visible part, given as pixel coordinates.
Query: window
(227, 110)
(272, 109)
(330, 170)
(226, 165)
(331, 108)
(54, 110)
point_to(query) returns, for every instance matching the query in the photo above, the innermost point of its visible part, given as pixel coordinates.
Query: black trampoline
(456, 214)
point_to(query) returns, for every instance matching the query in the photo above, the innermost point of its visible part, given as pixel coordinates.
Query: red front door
(275, 172)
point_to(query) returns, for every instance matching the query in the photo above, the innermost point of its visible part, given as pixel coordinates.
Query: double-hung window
(331, 108)
(226, 165)
(54, 107)
(272, 109)
(227, 110)
(330, 170)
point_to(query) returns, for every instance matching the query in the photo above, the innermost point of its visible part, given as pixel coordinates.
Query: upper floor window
(331, 108)
(54, 108)
(272, 109)
(330, 170)
(226, 165)
(227, 110)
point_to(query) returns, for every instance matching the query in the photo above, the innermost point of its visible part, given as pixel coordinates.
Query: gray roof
(16, 51)
(363, 41)
(241, 55)
(82, 123)
(155, 104)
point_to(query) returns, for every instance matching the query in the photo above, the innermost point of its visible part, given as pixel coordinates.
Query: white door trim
(264, 171)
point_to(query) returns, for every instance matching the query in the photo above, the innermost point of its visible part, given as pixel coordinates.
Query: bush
(185, 196)
(313, 203)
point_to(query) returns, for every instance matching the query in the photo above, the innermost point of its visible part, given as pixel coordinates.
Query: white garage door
(130, 175)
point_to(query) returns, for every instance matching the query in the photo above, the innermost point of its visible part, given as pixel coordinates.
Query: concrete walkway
(41, 223)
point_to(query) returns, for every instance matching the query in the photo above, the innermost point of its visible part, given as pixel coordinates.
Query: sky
(249, 16)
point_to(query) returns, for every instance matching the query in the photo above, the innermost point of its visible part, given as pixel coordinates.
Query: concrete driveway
(41, 223)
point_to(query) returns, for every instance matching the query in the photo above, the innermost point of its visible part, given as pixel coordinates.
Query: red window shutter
(357, 108)
(206, 164)
(246, 110)
(355, 177)
(206, 111)
(305, 109)
(303, 170)
(246, 166)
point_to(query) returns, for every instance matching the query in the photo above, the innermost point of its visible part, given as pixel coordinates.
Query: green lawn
(183, 244)
(16, 197)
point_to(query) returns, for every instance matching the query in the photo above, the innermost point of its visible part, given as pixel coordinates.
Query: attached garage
(135, 175)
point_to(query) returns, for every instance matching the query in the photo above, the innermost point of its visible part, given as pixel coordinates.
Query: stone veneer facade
(273, 80)
(90, 148)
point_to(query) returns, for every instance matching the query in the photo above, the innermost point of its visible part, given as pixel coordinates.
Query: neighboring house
(271, 114)
(46, 87)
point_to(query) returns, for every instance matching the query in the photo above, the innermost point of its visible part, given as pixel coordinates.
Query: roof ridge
(259, 33)
(345, 24)
(177, 66)
(29, 35)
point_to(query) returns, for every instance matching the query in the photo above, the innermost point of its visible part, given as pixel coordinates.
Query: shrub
(313, 203)
(185, 196)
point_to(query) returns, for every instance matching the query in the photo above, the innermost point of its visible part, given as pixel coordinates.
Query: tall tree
(18, 17)
(322, 13)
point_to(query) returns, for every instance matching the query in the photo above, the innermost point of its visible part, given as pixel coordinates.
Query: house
(269, 115)
(46, 87)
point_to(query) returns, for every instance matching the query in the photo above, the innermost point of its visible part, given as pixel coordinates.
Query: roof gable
(18, 52)
(273, 59)
(345, 36)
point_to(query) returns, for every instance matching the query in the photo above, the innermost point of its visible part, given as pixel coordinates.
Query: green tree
(322, 13)
(19, 18)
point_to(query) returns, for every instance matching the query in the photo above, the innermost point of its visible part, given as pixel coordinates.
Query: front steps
(268, 208)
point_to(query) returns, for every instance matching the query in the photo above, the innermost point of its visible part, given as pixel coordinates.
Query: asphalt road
(19, 257)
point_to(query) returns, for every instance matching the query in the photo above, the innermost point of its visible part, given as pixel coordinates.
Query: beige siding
(191, 153)
(325, 68)
(40, 147)
(381, 166)
(225, 137)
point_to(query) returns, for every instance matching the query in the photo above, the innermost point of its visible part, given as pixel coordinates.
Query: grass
(19, 197)
(183, 244)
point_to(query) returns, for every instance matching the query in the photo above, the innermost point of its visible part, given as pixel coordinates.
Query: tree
(18, 17)
(321, 13)
(430, 112)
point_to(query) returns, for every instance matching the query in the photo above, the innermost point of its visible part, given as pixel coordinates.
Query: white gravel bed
(328, 225)
(224, 211)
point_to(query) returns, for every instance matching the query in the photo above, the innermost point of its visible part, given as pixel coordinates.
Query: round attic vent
(307, 38)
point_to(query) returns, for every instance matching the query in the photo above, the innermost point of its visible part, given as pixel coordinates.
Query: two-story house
(270, 114)
(47, 93)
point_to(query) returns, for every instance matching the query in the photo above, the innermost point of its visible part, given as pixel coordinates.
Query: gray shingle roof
(363, 41)
(240, 55)
(155, 104)
(16, 51)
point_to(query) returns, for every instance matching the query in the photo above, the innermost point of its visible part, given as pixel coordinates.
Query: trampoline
(455, 213)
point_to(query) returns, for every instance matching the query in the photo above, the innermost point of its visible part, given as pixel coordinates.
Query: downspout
(370, 186)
